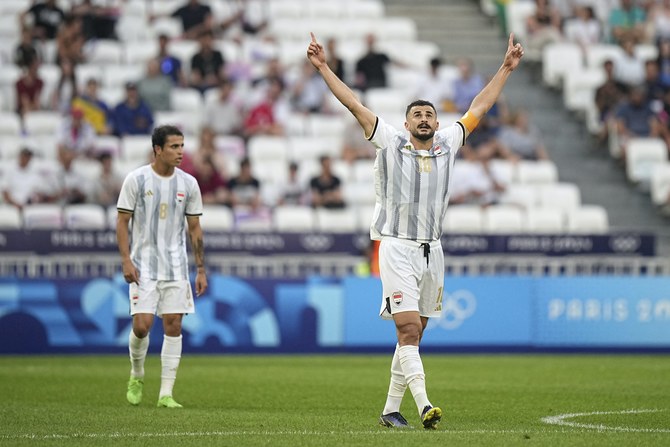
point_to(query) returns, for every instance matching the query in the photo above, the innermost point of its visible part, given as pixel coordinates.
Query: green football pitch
(544, 400)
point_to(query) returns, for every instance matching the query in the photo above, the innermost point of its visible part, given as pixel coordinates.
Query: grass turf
(335, 401)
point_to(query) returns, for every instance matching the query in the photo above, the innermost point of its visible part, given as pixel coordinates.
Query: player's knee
(172, 327)
(409, 334)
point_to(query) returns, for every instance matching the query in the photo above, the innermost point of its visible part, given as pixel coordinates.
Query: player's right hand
(130, 273)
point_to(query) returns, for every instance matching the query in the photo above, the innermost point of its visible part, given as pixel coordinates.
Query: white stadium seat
(293, 219)
(466, 219)
(660, 183)
(103, 52)
(217, 218)
(559, 59)
(336, 220)
(642, 154)
(136, 148)
(42, 122)
(563, 195)
(545, 220)
(85, 217)
(10, 217)
(537, 172)
(262, 148)
(10, 124)
(358, 193)
(579, 88)
(43, 216)
(503, 219)
(520, 194)
(588, 219)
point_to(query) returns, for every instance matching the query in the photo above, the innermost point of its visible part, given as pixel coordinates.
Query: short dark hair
(420, 102)
(160, 134)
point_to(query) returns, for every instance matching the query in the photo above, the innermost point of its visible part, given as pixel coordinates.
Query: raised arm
(489, 94)
(317, 56)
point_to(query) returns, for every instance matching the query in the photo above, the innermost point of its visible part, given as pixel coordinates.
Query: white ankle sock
(170, 356)
(410, 361)
(397, 386)
(137, 348)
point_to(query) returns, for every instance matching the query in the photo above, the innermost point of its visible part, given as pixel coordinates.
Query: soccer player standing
(412, 191)
(157, 197)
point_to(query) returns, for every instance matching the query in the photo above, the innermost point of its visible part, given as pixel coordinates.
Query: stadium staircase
(460, 28)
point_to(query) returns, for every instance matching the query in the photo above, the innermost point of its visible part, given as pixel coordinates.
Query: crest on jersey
(397, 297)
(180, 197)
(437, 150)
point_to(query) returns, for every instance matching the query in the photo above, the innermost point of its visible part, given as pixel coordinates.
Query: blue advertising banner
(603, 312)
(340, 314)
(263, 244)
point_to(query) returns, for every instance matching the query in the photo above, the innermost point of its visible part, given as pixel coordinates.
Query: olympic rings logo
(456, 308)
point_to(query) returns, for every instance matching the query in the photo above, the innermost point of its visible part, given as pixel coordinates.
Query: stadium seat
(464, 219)
(291, 9)
(104, 52)
(293, 219)
(190, 122)
(186, 100)
(14, 7)
(386, 100)
(263, 148)
(9, 26)
(537, 172)
(545, 220)
(184, 50)
(42, 122)
(9, 74)
(588, 219)
(87, 168)
(516, 14)
(117, 75)
(133, 31)
(112, 96)
(300, 148)
(660, 183)
(503, 219)
(358, 193)
(10, 125)
(111, 216)
(10, 217)
(84, 72)
(271, 171)
(365, 9)
(520, 194)
(364, 214)
(579, 88)
(559, 59)
(597, 54)
(136, 148)
(139, 52)
(85, 217)
(169, 26)
(336, 220)
(402, 29)
(326, 125)
(217, 218)
(503, 171)
(563, 195)
(364, 171)
(108, 143)
(642, 154)
(43, 216)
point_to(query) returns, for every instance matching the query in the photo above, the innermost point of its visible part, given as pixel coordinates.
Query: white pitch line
(561, 419)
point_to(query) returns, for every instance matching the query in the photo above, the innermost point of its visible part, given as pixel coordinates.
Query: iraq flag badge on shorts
(397, 297)
(180, 197)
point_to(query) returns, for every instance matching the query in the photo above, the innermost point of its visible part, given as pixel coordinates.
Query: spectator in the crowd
(472, 183)
(105, 190)
(170, 65)
(26, 50)
(133, 116)
(207, 150)
(76, 134)
(371, 68)
(74, 187)
(261, 84)
(155, 87)
(627, 22)
(522, 138)
(213, 187)
(663, 62)
(544, 27)
(46, 17)
(652, 83)
(610, 93)
(70, 40)
(334, 61)
(96, 112)
(66, 88)
(24, 184)
(325, 187)
(270, 115)
(245, 189)
(207, 65)
(195, 17)
(635, 118)
(659, 18)
(224, 113)
(29, 89)
(468, 84)
(629, 67)
(433, 87)
(484, 145)
(584, 29)
(98, 20)
(293, 191)
(309, 92)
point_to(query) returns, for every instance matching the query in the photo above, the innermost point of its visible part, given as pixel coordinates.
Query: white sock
(397, 386)
(410, 361)
(137, 347)
(170, 356)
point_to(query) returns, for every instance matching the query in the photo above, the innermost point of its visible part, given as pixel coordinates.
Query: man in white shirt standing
(157, 197)
(412, 190)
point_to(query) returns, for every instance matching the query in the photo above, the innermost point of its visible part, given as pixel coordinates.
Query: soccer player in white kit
(412, 190)
(161, 200)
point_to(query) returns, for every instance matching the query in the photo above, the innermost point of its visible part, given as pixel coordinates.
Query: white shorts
(412, 277)
(161, 297)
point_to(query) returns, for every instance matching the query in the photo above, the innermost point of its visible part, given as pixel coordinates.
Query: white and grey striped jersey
(412, 186)
(158, 205)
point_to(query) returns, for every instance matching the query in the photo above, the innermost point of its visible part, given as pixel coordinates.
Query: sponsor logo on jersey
(397, 297)
(149, 193)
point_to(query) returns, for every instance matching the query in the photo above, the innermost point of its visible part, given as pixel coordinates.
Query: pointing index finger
(313, 36)
(510, 44)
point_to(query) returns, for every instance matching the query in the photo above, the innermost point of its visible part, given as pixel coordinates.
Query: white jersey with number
(412, 186)
(158, 205)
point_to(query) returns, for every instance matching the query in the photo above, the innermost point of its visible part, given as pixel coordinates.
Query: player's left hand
(514, 53)
(200, 283)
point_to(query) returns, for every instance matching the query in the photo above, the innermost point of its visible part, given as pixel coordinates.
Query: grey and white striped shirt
(412, 186)
(159, 204)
